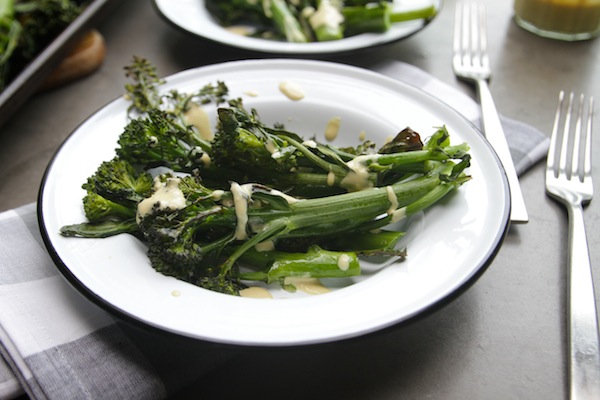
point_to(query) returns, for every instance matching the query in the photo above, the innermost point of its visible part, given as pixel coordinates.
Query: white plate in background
(192, 16)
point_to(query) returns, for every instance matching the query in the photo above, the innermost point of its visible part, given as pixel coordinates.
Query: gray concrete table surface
(504, 338)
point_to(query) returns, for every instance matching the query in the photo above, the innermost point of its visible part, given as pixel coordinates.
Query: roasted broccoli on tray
(255, 202)
(313, 20)
(27, 27)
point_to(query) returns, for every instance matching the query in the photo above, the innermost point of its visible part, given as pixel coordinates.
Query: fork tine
(587, 163)
(564, 147)
(457, 34)
(564, 153)
(576, 170)
(470, 35)
(472, 25)
(551, 165)
(483, 39)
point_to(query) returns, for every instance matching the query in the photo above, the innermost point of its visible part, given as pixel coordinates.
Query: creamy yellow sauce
(241, 195)
(292, 90)
(358, 177)
(256, 293)
(333, 128)
(270, 146)
(326, 15)
(267, 245)
(307, 285)
(399, 214)
(310, 143)
(330, 179)
(343, 262)
(166, 196)
(286, 197)
(217, 194)
(362, 135)
(196, 116)
(393, 200)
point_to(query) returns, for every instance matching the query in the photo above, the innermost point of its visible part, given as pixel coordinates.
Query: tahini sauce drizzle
(399, 214)
(358, 177)
(292, 90)
(307, 285)
(256, 292)
(167, 195)
(267, 245)
(197, 117)
(286, 197)
(393, 200)
(343, 262)
(241, 30)
(241, 196)
(333, 128)
(326, 15)
(330, 178)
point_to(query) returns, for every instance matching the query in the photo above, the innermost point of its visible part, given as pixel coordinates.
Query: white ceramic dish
(449, 246)
(191, 16)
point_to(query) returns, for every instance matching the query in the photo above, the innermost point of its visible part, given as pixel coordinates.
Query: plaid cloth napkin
(55, 344)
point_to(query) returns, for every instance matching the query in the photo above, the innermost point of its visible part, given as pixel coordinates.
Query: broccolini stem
(328, 215)
(379, 18)
(420, 13)
(327, 166)
(286, 22)
(349, 210)
(270, 230)
(315, 263)
(100, 230)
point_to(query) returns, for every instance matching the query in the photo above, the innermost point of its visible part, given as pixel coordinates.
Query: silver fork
(569, 180)
(471, 63)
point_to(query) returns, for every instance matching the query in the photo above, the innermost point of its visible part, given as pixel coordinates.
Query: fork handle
(495, 135)
(584, 355)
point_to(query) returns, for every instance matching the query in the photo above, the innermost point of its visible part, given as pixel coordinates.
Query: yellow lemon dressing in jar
(569, 20)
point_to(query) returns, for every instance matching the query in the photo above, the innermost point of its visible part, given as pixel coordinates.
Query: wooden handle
(86, 57)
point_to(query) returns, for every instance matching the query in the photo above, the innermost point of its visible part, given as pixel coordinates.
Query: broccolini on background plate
(300, 27)
(312, 20)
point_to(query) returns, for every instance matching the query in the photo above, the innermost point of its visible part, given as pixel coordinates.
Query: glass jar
(559, 19)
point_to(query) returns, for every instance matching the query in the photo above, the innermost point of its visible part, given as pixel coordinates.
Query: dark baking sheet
(29, 80)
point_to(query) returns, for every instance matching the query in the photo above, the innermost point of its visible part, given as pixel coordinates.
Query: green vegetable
(286, 22)
(327, 21)
(316, 262)
(110, 203)
(257, 203)
(379, 18)
(313, 20)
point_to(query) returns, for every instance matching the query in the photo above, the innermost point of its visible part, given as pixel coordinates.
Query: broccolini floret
(158, 139)
(118, 180)
(110, 203)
